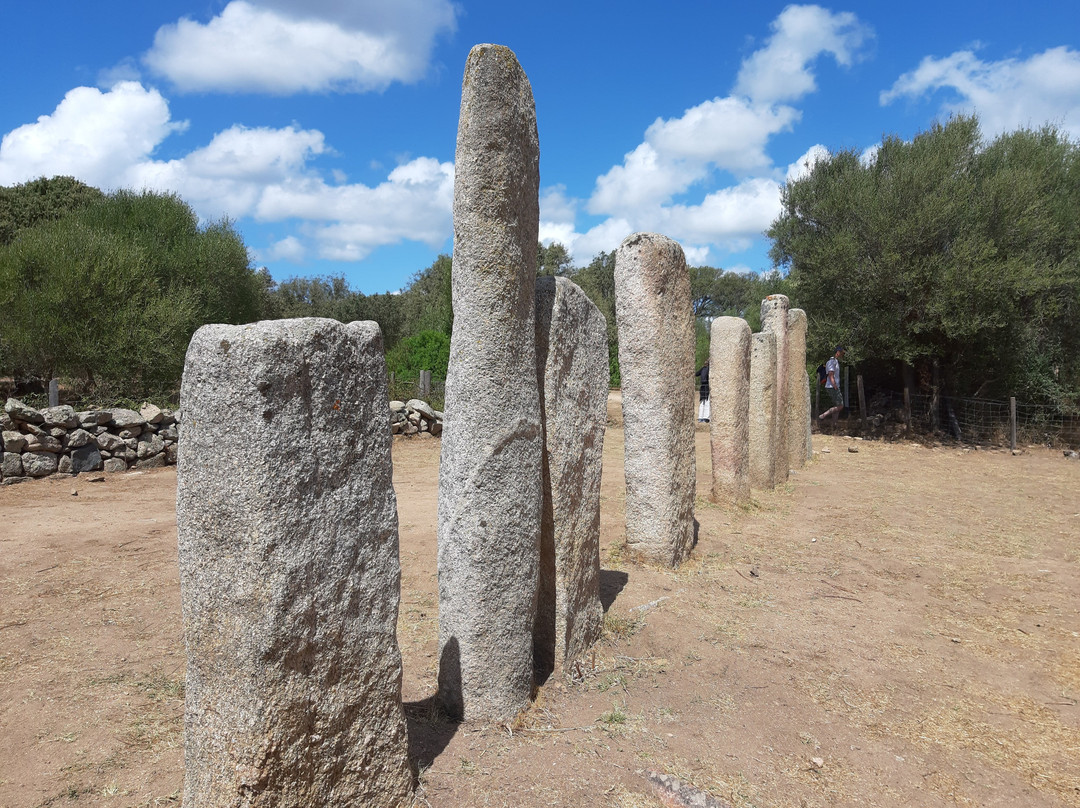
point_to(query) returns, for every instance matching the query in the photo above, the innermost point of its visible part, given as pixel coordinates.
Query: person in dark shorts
(832, 385)
(703, 407)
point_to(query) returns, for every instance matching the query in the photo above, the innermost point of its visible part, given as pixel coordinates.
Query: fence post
(907, 408)
(54, 392)
(862, 399)
(425, 384)
(1012, 422)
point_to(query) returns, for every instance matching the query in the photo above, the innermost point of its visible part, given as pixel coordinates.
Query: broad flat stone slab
(774, 320)
(39, 464)
(289, 569)
(572, 368)
(729, 425)
(62, 415)
(799, 448)
(18, 411)
(762, 430)
(656, 359)
(490, 479)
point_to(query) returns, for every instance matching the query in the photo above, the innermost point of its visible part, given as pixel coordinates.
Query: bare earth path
(897, 626)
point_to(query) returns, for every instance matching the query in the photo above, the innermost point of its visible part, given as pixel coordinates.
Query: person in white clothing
(832, 385)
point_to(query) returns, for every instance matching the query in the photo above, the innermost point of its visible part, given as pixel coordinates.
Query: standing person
(832, 385)
(703, 407)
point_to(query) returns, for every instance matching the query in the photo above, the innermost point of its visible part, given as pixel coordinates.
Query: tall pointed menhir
(490, 474)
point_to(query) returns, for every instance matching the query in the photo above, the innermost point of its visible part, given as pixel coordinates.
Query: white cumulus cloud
(781, 70)
(93, 135)
(292, 47)
(1007, 94)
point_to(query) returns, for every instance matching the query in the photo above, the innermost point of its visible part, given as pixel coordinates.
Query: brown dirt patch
(897, 626)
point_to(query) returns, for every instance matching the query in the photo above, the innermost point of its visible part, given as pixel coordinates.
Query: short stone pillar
(572, 367)
(774, 319)
(656, 359)
(490, 477)
(763, 411)
(729, 427)
(798, 392)
(289, 577)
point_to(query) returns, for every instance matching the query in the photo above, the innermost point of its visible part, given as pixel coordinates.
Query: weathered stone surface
(6, 424)
(18, 411)
(114, 465)
(130, 432)
(14, 480)
(151, 462)
(168, 433)
(149, 446)
(489, 480)
(436, 429)
(43, 443)
(57, 432)
(79, 438)
(656, 358)
(123, 418)
(763, 410)
(110, 442)
(397, 406)
(88, 418)
(798, 449)
(774, 319)
(39, 464)
(64, 465)
(14, 441)
(86, 459)
(421, 407)
(289, 569)
(729, 425)
(60, 416)
(572, 372)
(151, 413)
(11, 465)
(170, 454)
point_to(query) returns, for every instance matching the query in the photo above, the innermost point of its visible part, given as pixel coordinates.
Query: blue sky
(326, 129)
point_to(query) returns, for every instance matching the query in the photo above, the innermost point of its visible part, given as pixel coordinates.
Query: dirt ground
(896, 626)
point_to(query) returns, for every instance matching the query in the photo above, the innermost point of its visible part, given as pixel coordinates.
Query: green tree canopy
(945, 249)
(112, 292)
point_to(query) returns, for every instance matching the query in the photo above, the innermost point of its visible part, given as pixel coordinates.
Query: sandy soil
(894, 627)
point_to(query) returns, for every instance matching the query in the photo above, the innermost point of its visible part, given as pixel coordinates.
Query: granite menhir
(289, 574)
(490, 474)
(729, 425)
(774, 320)
(799, 448)
(656, 360)
(573, 373)
(763, 410)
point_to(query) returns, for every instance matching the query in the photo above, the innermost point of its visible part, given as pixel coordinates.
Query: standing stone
(798, 392)
(774, 319)
(490, 478)
(289, 574)
(572, 369)
(729, 425)
(763, 411)
(656, 359)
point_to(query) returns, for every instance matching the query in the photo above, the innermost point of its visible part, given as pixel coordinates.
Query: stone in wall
(289, 569)
(762, 421)
(774, 320)
(490, 476)
(729, 426)
(656, 359)
(797, 414)
(572, 369)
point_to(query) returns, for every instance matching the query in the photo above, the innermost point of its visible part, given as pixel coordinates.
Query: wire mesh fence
(967, 420)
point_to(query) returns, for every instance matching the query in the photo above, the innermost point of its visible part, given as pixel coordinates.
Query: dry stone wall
(61, 440)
